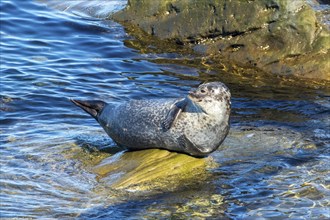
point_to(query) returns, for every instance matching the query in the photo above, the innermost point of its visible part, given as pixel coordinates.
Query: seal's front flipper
(91, 107)
(173, 114)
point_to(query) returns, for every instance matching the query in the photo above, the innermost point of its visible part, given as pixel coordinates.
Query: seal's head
(212, 98)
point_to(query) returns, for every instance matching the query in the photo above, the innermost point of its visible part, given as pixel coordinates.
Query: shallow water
(274, 164)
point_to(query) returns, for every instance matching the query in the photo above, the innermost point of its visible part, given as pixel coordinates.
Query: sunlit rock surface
(164, 170)
(279, 37)
(151, 169)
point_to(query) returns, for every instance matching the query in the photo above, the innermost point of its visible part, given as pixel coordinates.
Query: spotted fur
(196, 124)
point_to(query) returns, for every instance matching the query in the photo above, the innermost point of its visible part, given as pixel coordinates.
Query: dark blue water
(276, 163)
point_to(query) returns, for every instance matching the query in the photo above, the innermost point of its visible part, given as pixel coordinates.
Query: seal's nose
(196, 96)
(192, 92)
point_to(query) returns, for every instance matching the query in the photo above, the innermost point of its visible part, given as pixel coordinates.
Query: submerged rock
(278, 36)
(265, 140)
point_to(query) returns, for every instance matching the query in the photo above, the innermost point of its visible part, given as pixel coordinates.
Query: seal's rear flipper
(91, 107)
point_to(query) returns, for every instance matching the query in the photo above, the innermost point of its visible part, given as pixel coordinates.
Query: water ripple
(277, 165)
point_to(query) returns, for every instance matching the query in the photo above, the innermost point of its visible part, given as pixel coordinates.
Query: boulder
(276, 36)
(155, 170)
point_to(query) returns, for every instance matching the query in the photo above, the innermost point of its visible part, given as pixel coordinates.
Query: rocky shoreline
(278, 37)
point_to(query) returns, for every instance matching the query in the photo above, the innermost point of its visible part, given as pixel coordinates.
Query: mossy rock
(263, 34)
(151, 169)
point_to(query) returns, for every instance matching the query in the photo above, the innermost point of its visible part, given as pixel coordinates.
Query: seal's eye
(203, 91)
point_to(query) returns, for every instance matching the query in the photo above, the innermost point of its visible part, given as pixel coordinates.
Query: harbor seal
(196, 124)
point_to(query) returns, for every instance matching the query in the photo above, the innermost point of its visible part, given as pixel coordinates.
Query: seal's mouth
(195, 96)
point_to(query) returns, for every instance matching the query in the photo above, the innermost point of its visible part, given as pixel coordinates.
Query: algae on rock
(276, 36)
(151, 169)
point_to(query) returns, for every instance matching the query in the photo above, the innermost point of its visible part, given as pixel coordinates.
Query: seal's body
(195, 125)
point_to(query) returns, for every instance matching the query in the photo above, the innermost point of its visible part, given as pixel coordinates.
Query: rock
(151, 169)
(275, 36)
(155, 169)
(264, 140)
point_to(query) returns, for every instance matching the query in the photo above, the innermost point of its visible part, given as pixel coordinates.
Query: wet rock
(151, 169)
(206, 207)
(250, 141)
(155, 169)
(279, 37)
